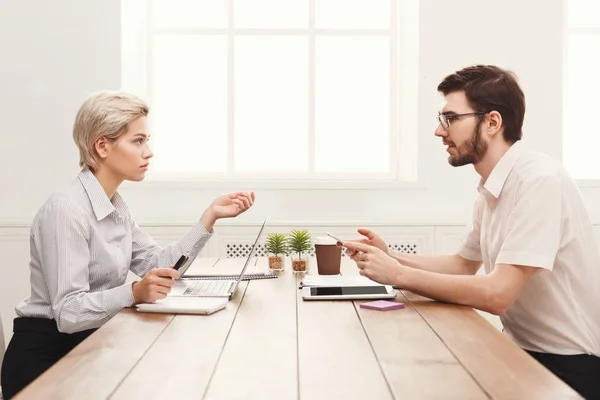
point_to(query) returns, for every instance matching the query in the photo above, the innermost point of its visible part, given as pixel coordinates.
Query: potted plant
(299, 241)
(276, 246)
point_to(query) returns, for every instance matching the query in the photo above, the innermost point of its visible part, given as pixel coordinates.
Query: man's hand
(155, 285)
(374, 263)
(371, 239)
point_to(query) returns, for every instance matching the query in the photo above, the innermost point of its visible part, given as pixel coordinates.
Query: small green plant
(276, 244)
(299, 241)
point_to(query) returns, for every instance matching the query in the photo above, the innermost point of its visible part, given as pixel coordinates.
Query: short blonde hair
(105, 114)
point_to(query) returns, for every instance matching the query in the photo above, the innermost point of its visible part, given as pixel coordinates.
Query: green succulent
(299, 241)
(276, 243)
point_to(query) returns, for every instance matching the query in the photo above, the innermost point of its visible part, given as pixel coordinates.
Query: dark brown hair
(490, 88)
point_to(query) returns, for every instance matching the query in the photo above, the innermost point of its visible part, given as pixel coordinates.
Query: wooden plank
(335, 357)
(415, 362)
(500, 367)
(259, 357)
(95, 368)
(181, 361)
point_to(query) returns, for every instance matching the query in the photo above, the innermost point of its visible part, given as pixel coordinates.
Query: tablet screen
(347, 290)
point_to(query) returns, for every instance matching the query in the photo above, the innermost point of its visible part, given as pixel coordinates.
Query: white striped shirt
(82, 246)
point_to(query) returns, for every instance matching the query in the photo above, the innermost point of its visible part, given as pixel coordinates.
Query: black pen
(182, 260)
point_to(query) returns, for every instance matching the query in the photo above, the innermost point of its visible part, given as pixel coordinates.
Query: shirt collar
(101, 204)
(495, 182)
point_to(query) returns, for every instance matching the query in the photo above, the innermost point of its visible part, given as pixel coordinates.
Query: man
(530, 230)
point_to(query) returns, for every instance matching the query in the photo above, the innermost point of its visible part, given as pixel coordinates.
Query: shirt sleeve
(471, 246)
(61, 237)
(534, 224)
(147, 254)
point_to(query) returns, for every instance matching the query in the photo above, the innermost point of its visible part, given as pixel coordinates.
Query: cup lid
(324, 240)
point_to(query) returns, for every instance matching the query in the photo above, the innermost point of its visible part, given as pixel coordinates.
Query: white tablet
(348, 292)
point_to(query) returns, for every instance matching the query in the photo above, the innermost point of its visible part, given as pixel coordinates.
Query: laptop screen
(252, 250)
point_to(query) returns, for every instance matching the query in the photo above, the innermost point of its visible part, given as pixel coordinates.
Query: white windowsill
(587, 182)
(250, 184)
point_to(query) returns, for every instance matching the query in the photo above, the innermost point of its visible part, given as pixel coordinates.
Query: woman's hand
(227, 206)
(155, 285)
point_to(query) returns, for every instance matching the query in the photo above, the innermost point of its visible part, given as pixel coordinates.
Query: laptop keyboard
(207, 288)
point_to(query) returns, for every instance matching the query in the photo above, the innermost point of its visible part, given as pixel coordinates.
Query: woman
(83, 242)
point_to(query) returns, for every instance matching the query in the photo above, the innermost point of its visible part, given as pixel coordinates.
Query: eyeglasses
(445, 119)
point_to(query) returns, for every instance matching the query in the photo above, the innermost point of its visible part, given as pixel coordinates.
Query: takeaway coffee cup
(329, 255)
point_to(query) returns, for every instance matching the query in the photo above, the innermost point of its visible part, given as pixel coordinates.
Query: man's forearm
(443, 264)
(473, 291)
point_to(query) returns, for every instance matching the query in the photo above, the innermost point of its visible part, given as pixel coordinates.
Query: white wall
(54, 53)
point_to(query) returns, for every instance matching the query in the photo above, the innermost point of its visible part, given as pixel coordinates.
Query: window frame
(567, 31)
(403, 94)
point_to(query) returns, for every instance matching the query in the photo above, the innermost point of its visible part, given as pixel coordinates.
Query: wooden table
(270, 344)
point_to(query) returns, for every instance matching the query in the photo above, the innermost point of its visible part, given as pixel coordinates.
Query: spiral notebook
(245, 277)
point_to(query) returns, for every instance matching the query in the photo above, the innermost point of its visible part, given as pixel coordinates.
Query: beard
(470, 152)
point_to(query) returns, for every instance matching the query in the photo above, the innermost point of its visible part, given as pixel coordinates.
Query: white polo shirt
(530, 212)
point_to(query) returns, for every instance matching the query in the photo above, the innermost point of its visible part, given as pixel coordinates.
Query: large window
(581, 128)
(304, 90)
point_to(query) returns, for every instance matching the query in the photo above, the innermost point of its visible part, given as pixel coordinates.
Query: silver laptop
(212, 287)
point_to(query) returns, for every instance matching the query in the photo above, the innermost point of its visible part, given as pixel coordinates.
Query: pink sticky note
(382, 305)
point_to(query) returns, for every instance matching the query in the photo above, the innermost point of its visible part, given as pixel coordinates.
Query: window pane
(581, 131)
(271, 14)
(189, 104)
(352, 104)
(189, 14)
(583, 13)
(356, 14)
(133, 46)
(271, 103)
